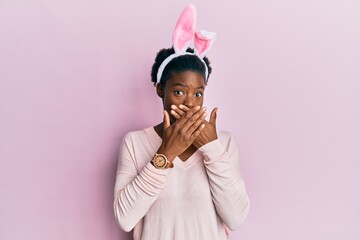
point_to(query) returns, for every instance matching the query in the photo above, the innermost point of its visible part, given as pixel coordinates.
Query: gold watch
(161, 161)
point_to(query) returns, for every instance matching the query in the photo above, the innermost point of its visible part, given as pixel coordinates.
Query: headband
(185, 34)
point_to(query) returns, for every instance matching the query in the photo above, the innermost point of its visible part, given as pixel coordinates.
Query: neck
(159, 129)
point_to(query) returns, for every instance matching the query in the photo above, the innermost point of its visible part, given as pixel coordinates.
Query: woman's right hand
(182, 133)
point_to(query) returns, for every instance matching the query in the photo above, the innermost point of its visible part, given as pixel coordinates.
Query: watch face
(159, 161)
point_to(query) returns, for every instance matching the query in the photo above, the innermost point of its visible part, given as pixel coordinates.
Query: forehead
(188, 78)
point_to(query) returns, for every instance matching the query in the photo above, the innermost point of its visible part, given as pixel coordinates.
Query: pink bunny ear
(203, 41)
(184, 29)
(183, 36)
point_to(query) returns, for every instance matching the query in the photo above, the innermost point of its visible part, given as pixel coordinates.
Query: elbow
(125, 227)
(240, 217)
(121, 220)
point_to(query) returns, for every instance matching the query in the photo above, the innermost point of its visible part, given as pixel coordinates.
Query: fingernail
(197, 107)
(173, 106)
(181, 106)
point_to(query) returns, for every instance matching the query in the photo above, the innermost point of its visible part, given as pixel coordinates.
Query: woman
(180, 179)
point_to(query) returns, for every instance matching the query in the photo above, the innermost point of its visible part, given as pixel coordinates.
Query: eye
(178, 92)
(198, 94)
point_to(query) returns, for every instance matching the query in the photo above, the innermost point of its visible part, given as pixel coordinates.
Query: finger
(197, 132)
(188, 115)
(213, 116)
(166, 119)
(192, 118)
(177, 109)
(184, 108)
(195, 122)
(176, 112)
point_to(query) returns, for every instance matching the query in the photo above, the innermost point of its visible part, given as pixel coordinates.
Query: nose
(189, 101)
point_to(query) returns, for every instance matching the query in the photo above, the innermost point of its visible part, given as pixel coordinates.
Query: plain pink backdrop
(74, 77)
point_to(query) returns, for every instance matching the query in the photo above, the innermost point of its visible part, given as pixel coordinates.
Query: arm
(226, 185)
(223, 170)
(135, 192)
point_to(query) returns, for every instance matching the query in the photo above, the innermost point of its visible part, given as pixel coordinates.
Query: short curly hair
(178, 65)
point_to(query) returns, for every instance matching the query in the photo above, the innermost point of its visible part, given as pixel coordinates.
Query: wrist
(160, 161)
(170, 156)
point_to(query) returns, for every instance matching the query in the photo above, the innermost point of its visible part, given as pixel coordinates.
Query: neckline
(177, 161)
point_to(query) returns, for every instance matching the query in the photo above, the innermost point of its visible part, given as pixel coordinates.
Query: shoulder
(227, 139)
(135, 134)
(140, 138)
(225, 136)
(134, 137)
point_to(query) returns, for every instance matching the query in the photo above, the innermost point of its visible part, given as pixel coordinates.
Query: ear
(160, 90)
(203, 41)
(185, 29)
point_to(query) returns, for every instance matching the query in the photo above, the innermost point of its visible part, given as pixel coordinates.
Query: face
(185, 88)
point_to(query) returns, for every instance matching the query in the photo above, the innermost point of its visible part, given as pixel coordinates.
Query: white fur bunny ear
(184, 29)
(203, 41)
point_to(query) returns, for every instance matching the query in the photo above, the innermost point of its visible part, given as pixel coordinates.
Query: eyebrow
(184, 85)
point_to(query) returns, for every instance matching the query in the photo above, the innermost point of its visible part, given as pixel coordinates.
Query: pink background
(74, 77)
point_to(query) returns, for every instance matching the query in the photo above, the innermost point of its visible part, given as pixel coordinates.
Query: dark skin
(185, 130)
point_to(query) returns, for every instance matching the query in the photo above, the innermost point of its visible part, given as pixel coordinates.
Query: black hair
(179, 65)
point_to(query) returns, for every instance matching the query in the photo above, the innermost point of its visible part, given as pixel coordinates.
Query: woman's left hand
(208, 134)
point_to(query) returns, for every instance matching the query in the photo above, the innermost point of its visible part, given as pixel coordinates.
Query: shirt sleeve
(135, 191)
(227, 187)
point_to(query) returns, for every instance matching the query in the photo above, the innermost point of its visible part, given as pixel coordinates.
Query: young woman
(181, 178)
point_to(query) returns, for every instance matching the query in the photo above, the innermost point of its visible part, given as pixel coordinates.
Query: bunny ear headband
(185, 34)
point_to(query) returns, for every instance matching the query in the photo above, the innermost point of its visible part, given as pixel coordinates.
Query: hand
(208, 134)
(181, 134)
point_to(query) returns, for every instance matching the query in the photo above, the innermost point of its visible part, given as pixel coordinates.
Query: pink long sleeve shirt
(200, 198)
